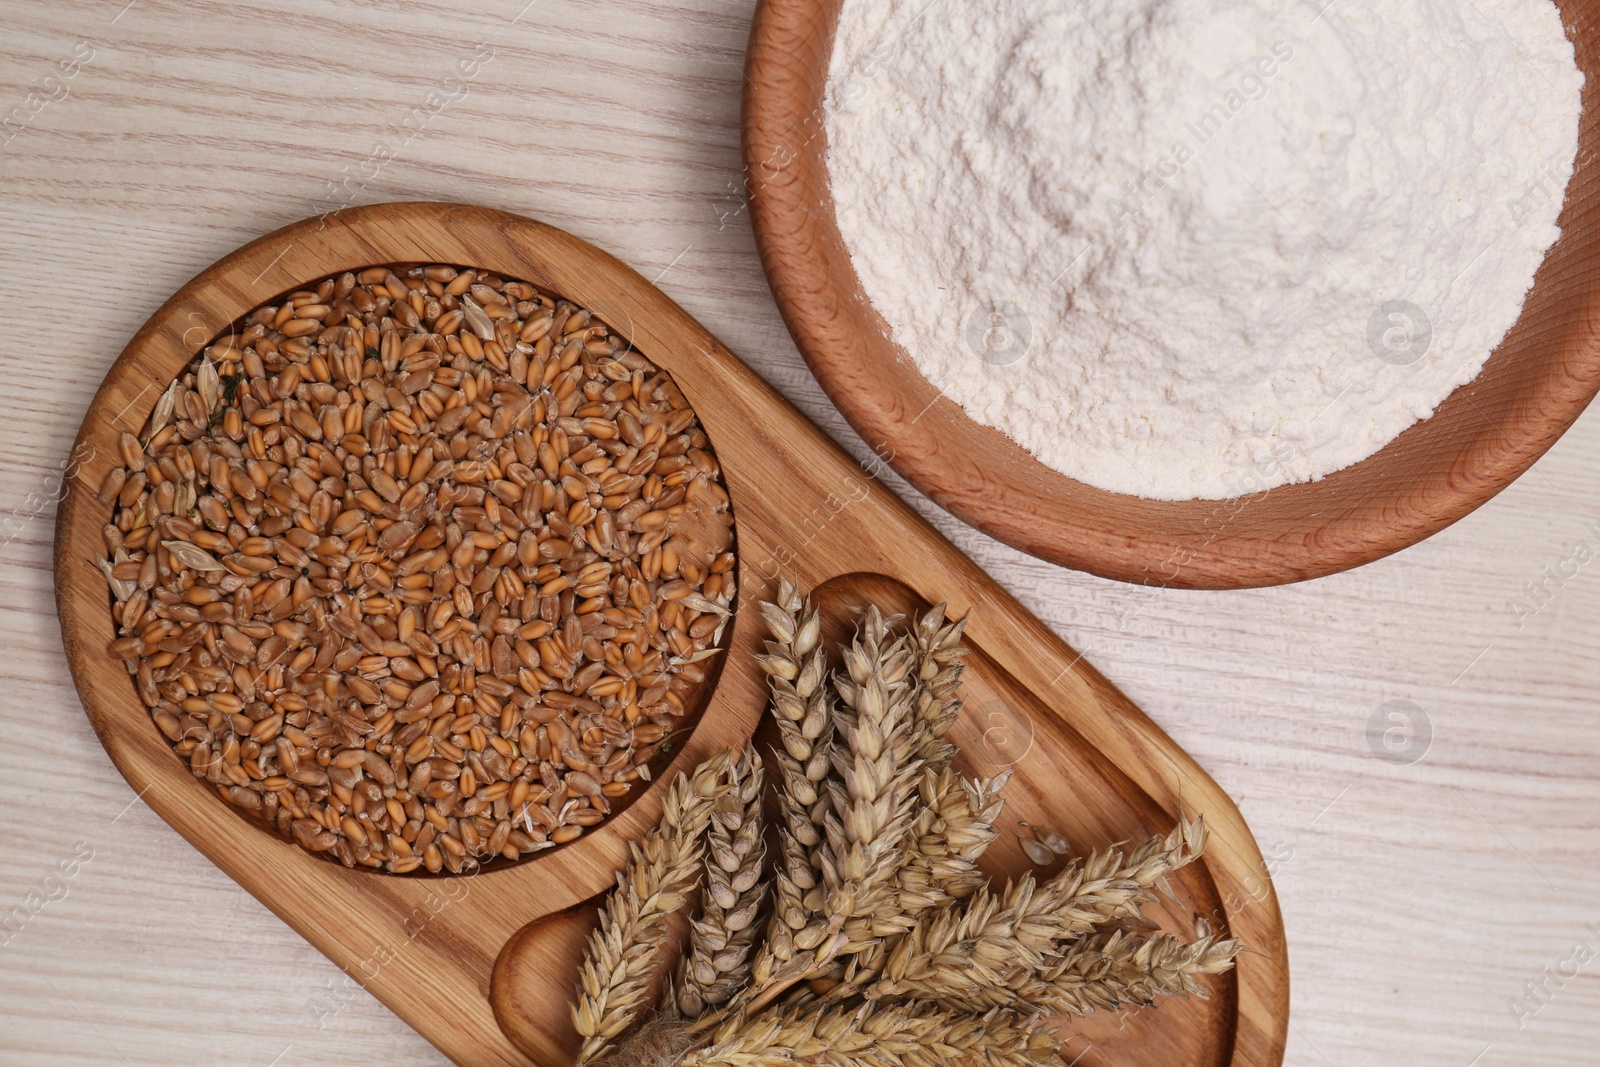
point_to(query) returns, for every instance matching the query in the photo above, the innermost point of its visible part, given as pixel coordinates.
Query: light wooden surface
(1479, 439)
(426, 946)
(1419, 899)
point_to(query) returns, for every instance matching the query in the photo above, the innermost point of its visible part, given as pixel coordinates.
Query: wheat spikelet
(955, 826)
(717, 963)
(870, 805)
(938, 869)
(937, 652)
(952, 827)
(964, 948)
(873, 787)
(952, 822)
(1106, 972)
(802, 707)
(662, 869)
(1109, 886)
(796, 667)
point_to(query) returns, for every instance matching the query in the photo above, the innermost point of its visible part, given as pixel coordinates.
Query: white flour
(1196, 248)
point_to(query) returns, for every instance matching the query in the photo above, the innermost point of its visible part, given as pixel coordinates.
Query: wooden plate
(1487, 433)
(1087, 761)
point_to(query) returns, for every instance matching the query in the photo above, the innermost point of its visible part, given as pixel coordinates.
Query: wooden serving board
(1087, 762)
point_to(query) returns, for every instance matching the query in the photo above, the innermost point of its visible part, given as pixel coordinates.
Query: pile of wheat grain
(420, 566)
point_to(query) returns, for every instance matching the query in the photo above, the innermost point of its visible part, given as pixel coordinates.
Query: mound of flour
(1196, 248)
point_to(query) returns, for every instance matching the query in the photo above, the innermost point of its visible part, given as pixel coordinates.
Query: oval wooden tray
(1088, 762)
(1478, 441)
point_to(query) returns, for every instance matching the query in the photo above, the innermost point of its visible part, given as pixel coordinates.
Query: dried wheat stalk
(965, 947)
(866, 807)
(874, 784)
(940, 867)
(1104, 973)
(952, 826)
(937, 653)
(908, 957)
(663, 868)
(802, 706)
(953, 820)
(902, 1035)
(717, 963)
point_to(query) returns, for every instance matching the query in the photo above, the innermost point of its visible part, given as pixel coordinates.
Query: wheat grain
(1043, 846)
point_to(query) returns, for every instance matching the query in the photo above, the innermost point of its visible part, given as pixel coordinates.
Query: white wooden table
(1424, 899)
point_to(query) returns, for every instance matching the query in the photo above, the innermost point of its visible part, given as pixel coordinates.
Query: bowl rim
(1456, 460)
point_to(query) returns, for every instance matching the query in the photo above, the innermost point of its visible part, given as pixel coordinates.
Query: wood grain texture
(1418, 899)
(1487, 433)
(1092, 765)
